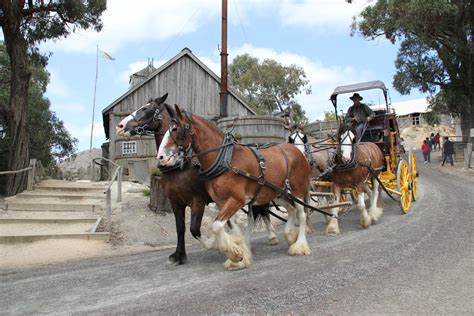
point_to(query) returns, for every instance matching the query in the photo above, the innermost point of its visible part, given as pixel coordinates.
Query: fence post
(31, 175)
(467, 156)
(119, 185)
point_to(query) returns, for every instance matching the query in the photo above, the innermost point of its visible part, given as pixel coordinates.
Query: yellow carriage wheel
(404, 185)
(413, 173)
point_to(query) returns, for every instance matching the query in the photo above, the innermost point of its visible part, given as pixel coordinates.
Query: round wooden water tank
(255, 129)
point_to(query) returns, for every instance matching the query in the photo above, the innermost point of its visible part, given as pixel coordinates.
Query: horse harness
(222, 163)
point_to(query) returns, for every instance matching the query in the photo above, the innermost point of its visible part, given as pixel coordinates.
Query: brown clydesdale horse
(287, 168)
(182, 186)
(352, 166)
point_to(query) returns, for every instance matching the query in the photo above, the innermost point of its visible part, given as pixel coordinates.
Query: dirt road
(420, 263)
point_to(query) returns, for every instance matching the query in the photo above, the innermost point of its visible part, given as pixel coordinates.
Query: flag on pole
(105, 55)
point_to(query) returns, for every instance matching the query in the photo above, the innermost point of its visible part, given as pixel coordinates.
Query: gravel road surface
(419, 263)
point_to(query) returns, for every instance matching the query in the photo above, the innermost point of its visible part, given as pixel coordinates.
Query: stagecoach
(399, 175)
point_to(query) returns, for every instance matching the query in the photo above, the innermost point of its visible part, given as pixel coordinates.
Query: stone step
(34, 237)
(27, 227)
(64, 207)
(68, 189)
(60, 195)
(47, 214)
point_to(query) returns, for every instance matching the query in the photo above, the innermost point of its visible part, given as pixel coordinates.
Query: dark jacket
(360, 112)
(448, 147)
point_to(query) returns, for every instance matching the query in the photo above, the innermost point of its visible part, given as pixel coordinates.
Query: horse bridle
(142, 130)
(304, 139)
(185, 131)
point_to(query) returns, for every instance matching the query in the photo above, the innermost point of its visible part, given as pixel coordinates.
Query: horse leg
(250, 223)
(375, 212)
(365, 219)
(179, 256)
(272, 238)
(332, 228)
(300, 247)
(290, 232)
(197, 211)
(233, 246)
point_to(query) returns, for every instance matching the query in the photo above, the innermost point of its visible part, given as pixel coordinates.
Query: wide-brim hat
(356, 95)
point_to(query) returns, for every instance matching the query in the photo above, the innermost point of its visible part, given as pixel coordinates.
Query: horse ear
(178, 111)
(162, 99)
(170, 110)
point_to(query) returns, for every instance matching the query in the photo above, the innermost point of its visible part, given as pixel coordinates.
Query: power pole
(224, 94)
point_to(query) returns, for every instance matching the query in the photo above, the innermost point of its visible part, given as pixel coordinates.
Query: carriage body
(399, 175)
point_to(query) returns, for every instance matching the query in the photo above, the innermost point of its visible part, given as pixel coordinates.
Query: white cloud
(138, 22)
(322, 78)
(333, 14)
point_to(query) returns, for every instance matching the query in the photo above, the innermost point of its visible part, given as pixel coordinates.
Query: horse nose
(160, 157)
(120, 125)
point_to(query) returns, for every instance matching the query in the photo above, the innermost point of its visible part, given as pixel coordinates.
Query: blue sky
(312, 34)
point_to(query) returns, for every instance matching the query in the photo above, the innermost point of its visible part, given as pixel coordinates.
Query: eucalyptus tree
(25, 24)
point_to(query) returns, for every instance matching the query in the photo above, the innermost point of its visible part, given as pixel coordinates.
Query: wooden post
(467, 156)
(119, 185)
(108, 203)
(31, 175)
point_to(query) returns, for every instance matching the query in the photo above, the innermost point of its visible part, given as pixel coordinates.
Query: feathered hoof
(234, 266)
(332, 231)
(365, 221)
(375, 214)
(299, 249)
(291, 236)
(273, 241)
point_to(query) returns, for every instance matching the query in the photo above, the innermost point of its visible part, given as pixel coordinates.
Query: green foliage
(329, 116)
(49, 141)
(156, 172)
(267, 86)
(436, 49)
(146, 192)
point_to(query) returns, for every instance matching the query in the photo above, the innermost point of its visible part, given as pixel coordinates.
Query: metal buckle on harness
(140, 130)
(261, 180)
(262, 165)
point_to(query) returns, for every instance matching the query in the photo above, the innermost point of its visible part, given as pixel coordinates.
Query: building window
(129, 148)
(416, 119)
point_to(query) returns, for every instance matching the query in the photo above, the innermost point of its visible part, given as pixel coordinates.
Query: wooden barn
(188, 82)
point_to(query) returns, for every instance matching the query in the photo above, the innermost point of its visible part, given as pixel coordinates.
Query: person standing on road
(428, 142)
(436, 140)
(425, 150)
(448, 151)
(359, 113)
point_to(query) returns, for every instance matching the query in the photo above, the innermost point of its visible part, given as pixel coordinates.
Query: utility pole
(223, 94)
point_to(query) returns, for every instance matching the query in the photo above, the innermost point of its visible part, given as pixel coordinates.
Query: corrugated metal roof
(407, 107)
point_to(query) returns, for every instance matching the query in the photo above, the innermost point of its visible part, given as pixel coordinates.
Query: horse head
(146, 119)
(346, 138)
(299, 139)
(178, 140)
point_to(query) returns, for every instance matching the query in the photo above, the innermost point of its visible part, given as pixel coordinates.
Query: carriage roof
(369, 85)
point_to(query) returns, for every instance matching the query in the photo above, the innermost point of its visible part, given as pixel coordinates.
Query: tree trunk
(17, 118)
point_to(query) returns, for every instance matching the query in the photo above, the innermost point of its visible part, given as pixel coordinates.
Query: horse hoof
(234, 266)
(332, 232)
(273, 241)
(291, 236)
(299, 249)
(177, 259)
